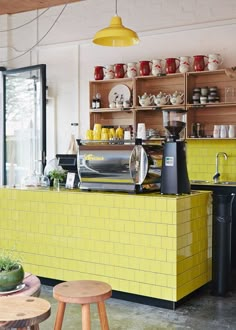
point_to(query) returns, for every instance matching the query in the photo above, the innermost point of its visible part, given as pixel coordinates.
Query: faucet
(217, 174)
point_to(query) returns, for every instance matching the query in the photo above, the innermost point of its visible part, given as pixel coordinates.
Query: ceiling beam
(19, 6)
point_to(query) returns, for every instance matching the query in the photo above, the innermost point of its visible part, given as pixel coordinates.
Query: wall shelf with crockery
(112, 91)
(222, 111)
(216, 84)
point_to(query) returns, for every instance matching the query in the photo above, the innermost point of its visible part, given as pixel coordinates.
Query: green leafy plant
(8, 261)
(57, 174)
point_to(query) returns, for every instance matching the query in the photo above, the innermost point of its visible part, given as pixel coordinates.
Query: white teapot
(145, 100)
(162, 99)
(177, 98)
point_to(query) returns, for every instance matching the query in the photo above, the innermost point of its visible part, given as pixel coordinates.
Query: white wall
(167, 28)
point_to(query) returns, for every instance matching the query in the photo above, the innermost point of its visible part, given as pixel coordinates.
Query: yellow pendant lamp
(116, 34)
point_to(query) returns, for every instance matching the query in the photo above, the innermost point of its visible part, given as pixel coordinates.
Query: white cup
(141, 131)
(127, 135)
(223, 131)
(231, 131)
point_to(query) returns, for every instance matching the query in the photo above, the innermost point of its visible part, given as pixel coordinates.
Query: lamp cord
(20, 26)
(38, 41)
(116, 8)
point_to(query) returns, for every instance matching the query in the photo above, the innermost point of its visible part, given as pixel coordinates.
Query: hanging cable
(20, 26)
(28, 50)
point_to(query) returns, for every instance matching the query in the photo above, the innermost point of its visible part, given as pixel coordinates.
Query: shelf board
(207, 72)
(163, 107)
(209, 138)
(116, 80)
(110, 110)
(161, 76)
(211, 105)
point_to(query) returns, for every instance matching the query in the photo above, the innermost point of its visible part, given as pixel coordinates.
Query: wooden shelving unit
(208, 115)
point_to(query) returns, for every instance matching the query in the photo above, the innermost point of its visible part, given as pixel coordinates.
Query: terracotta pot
(10, 279)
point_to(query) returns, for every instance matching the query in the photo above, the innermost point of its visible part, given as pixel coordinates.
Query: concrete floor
(203, 312)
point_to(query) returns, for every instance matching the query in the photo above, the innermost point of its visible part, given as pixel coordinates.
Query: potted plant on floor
(11, 271)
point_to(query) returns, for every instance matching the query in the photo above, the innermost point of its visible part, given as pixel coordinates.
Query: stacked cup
(141, 131)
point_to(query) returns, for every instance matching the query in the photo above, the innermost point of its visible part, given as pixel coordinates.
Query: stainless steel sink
(199, 181)
(202, 182)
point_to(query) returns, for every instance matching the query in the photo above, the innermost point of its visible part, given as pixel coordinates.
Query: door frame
(43, 102)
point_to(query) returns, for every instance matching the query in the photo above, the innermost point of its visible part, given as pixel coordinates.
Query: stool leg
(103, 315)
(34, 327)
(60, 315)
(85, 317)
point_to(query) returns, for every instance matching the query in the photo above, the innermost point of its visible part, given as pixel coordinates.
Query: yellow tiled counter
(149, 245)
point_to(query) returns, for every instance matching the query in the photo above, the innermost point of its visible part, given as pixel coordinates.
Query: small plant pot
(10, 279)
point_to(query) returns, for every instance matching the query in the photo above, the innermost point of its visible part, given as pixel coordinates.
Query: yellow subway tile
(168, 294)
(161, 230)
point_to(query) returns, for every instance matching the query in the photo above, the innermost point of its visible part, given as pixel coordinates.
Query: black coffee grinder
(174, 175)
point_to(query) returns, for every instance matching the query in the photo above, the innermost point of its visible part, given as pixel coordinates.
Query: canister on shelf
(89, 134)
(120, 133)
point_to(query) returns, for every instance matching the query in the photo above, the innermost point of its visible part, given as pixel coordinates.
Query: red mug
(144, 68)
(171, 66)
(98, 73)
(120, 70)
(199, 63)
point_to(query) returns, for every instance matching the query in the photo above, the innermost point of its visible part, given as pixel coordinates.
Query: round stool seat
(23, 312)
(84, 292)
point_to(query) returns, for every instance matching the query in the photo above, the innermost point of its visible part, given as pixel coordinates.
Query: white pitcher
(109, 71)
(131, 69)
(214, 61)
(184, 65)
(156, 67)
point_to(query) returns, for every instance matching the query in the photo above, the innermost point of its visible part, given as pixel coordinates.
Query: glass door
(24, 95)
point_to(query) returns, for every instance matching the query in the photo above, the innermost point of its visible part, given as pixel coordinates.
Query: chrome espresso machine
(129, 166)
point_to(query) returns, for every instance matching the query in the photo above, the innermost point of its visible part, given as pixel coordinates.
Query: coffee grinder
(174, 175)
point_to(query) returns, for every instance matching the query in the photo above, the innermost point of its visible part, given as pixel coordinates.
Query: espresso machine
(174, 177)
(122, 165)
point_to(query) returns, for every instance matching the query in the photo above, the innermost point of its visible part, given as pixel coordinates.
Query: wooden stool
(23, 312)
(83, 293)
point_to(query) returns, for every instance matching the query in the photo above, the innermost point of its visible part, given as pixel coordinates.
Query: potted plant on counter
(11, 271)
(57, 176)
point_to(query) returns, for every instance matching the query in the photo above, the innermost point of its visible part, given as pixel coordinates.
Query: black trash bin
(221, 247)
